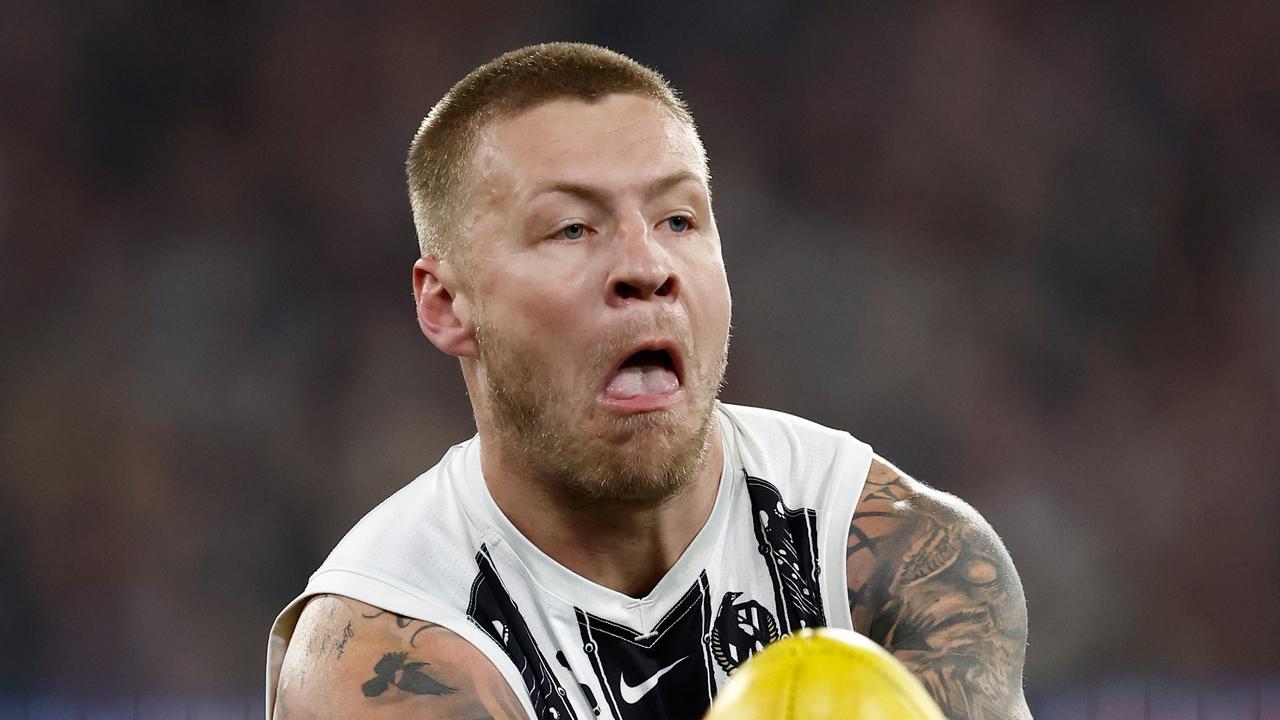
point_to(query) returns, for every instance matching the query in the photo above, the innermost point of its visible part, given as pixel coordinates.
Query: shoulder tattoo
(931, 582)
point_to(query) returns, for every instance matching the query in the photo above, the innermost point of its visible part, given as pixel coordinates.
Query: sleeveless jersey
(769, 561)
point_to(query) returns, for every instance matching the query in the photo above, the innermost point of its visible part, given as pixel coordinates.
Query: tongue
(636, 380)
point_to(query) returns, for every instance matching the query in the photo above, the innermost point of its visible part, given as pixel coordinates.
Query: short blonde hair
(441, 151)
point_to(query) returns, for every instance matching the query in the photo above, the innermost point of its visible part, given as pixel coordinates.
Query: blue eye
(678, 223)
(574, 231)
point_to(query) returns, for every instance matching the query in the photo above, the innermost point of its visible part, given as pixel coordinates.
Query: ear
(444, 316)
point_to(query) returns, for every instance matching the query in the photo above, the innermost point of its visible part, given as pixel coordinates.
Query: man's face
(598, 295)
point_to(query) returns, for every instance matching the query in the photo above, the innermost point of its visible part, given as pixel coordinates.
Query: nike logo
(631, 695)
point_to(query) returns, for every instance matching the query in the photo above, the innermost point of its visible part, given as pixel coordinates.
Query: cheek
(528, 308)
(714, 304)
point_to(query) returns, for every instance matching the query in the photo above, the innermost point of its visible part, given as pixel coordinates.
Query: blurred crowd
(1030, 252)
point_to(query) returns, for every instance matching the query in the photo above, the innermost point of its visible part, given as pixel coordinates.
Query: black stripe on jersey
(493, 611)
(788, 540)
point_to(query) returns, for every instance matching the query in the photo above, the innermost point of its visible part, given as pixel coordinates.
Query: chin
(600, 453)
(648, 457)
(634, 478)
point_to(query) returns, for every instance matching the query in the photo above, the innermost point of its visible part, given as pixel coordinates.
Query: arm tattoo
(395, 669)
(403, 622)
(931, 582)
(347, 634)
(408, 674)
(361, 659)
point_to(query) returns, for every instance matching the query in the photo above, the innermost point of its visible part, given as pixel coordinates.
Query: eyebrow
(594, 194)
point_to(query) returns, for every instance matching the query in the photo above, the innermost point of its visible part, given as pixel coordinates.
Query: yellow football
(819, 674)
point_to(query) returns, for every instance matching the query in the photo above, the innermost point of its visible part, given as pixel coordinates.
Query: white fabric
(418, 554)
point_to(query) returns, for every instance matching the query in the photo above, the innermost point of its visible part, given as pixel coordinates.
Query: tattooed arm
(930, 580)
(352, 660)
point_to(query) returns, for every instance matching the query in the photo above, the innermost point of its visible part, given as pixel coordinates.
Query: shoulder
(905, 532)
(930, 580)
(775, 421)
(775, 443)
(350, 659)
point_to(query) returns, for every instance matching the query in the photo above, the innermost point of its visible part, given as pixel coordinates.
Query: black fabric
(494, 612)
(788, 541)
(666, 673)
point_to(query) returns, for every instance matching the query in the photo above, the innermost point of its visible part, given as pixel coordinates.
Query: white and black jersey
(769, 561)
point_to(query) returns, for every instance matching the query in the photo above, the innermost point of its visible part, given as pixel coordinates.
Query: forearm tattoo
(930, 581)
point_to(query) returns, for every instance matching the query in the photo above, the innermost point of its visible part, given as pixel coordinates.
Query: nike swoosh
(631, 695)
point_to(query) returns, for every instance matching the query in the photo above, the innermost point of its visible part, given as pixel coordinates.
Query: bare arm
(348, 659)
(930, 580)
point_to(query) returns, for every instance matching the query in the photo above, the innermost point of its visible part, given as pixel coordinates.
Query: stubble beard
(646, 457)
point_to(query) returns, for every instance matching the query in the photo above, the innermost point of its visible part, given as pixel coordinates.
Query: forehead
(614, 141)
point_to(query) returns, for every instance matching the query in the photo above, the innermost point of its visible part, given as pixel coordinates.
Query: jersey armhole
(849, 476)
(385, 593)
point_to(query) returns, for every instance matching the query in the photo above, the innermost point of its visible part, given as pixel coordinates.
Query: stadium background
(1031, 253)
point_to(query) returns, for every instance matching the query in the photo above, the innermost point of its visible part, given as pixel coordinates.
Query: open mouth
(646, 373)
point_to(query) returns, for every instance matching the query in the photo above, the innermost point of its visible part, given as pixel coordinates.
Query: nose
(642, 269)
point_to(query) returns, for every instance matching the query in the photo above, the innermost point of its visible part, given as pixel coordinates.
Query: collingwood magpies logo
(740, 630)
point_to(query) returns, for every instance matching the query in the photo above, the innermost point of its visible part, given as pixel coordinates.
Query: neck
(624, 545)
